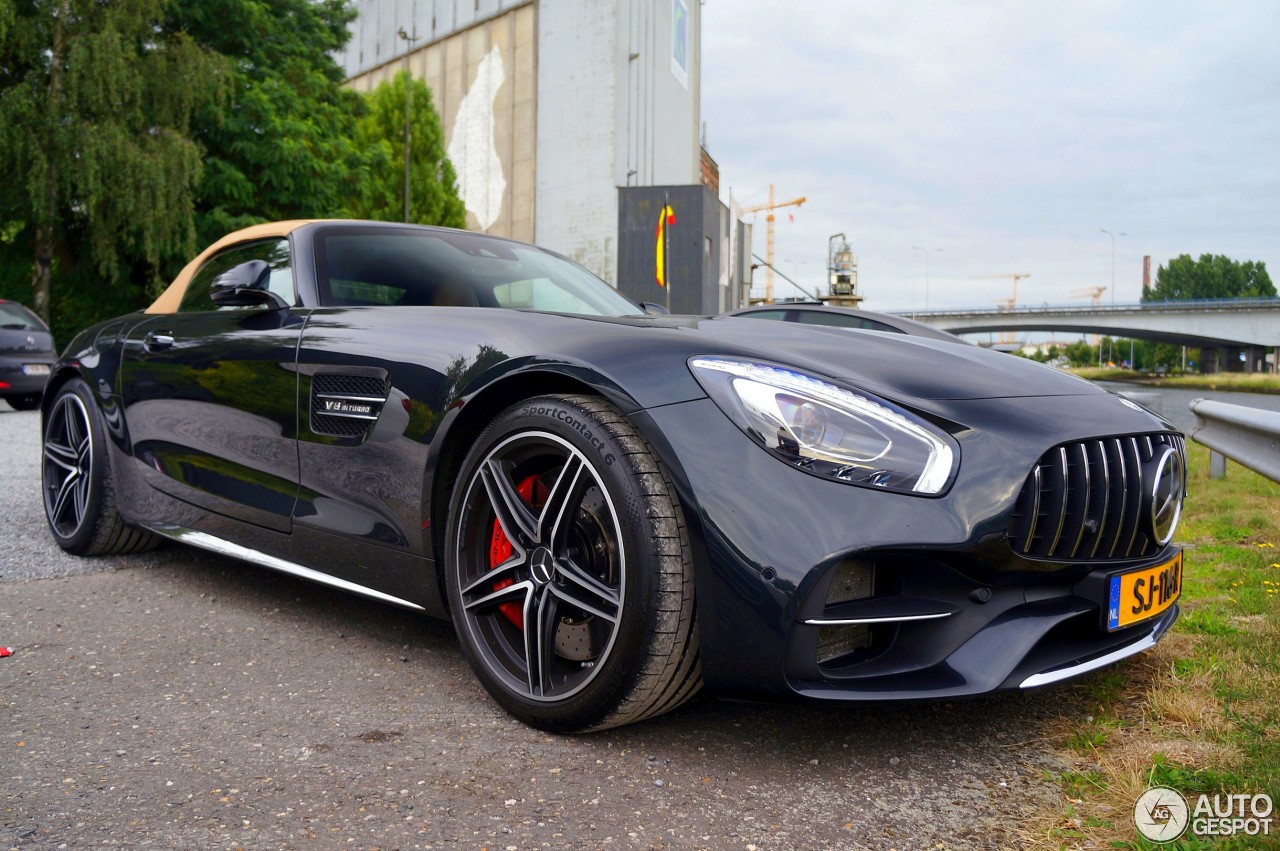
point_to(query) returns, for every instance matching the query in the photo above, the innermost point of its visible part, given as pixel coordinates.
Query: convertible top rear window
(369, 267)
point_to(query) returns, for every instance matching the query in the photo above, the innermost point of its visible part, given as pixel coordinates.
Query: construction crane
(1094, 294)
(771, 205)
(1013, 304)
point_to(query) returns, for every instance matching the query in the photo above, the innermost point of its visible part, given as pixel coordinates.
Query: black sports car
(26, 354)
(613, 508)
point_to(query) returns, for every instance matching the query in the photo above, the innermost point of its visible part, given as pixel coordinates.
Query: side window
(838, 320)
(780, 315)
(274, 251)
(872, 325)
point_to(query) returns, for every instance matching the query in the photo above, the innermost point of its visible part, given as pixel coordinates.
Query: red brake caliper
(534, 493)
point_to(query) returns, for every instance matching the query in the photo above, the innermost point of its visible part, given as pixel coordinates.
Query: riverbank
(1240, 382)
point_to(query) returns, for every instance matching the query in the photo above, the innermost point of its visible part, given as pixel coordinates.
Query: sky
(1001, 136)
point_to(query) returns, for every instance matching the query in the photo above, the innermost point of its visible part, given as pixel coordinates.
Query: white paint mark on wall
(472, 149)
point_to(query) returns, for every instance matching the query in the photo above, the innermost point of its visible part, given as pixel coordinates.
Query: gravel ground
(184, 701)
(29, 551)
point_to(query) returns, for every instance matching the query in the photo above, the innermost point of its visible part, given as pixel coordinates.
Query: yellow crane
(771, 205)
(1018, 276)
(1094, 294)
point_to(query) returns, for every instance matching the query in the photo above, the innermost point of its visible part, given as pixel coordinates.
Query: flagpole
(666, 250)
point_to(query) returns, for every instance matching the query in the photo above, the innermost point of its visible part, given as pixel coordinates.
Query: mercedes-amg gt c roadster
(617, 509)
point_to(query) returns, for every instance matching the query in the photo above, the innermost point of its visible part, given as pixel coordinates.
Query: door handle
(155, 341)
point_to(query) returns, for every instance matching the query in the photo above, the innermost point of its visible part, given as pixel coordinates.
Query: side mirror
(245, 285)
(652, 309)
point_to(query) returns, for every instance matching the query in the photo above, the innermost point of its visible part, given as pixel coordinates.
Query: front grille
(1086, 500)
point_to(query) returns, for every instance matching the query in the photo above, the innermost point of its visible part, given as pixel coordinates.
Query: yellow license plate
(1141, 594)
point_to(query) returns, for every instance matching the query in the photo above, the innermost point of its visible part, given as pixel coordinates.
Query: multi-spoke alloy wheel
(570, 584)
(68, 465)
(79, 492)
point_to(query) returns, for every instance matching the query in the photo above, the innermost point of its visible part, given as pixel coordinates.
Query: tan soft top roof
(172, 296)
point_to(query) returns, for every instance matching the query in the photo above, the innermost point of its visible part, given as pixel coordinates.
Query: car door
(210, 394)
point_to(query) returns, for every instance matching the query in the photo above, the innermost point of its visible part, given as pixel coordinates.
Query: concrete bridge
(1223, 329)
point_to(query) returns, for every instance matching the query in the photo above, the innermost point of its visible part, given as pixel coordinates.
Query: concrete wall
(483, 82)
(612, 112)
(576, 188)
(693, 246)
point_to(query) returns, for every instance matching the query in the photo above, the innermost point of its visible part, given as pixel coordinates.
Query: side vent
(346, 405)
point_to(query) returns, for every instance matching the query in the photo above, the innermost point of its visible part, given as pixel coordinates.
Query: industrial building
(573, 124)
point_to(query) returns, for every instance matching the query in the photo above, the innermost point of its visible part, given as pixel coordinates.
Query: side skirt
(205, 541)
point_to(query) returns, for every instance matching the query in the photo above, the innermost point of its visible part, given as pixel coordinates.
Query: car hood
(884, 362)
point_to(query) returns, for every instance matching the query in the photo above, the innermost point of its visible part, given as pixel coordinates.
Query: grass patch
(1201, 712)
(1240, 382)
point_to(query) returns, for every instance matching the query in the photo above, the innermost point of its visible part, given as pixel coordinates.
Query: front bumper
(955, 612)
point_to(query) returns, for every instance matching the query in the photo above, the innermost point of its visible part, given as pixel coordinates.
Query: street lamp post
(1113, 261)
(831, 257)
(408, 48)
(926, 272)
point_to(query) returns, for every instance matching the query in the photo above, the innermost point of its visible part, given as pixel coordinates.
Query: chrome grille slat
(1083, 520)
(1036, 485)
(1106, 500)
(1136, 500)
(1083, 500)
(1063, 490)
(1123, 488)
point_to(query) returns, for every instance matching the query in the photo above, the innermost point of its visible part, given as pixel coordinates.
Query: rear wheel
(24, 402)
(79, 491)
(568, 569)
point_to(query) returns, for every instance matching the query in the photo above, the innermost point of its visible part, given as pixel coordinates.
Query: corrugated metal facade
(693, 247)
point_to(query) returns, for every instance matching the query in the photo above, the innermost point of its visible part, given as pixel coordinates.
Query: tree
(96, 156)
(1212, 276)
(1081, 353)
(282, 146)
(433, 185)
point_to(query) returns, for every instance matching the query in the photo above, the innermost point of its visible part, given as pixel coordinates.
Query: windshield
(15, 317)
(442, 268)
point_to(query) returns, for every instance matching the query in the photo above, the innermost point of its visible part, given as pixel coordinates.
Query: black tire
(79, 491)
(568, 569)
(25, 402)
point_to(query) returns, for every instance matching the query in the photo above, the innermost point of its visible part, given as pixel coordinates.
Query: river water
(1174, 402)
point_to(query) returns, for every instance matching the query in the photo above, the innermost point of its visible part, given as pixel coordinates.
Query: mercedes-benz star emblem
(542, 565)
(1166, 495)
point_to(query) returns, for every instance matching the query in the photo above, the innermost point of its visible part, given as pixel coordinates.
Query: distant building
(572, 124)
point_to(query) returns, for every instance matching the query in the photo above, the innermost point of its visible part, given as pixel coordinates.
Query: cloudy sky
(1004, 135)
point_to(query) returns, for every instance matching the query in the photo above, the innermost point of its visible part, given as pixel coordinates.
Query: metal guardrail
(1248, 436)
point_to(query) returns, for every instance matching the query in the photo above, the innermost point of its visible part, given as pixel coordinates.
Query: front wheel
(568, 569)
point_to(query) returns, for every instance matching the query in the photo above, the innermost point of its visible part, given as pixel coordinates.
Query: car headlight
(827, 430)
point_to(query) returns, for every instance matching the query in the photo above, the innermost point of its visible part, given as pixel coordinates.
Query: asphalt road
(179, 700)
